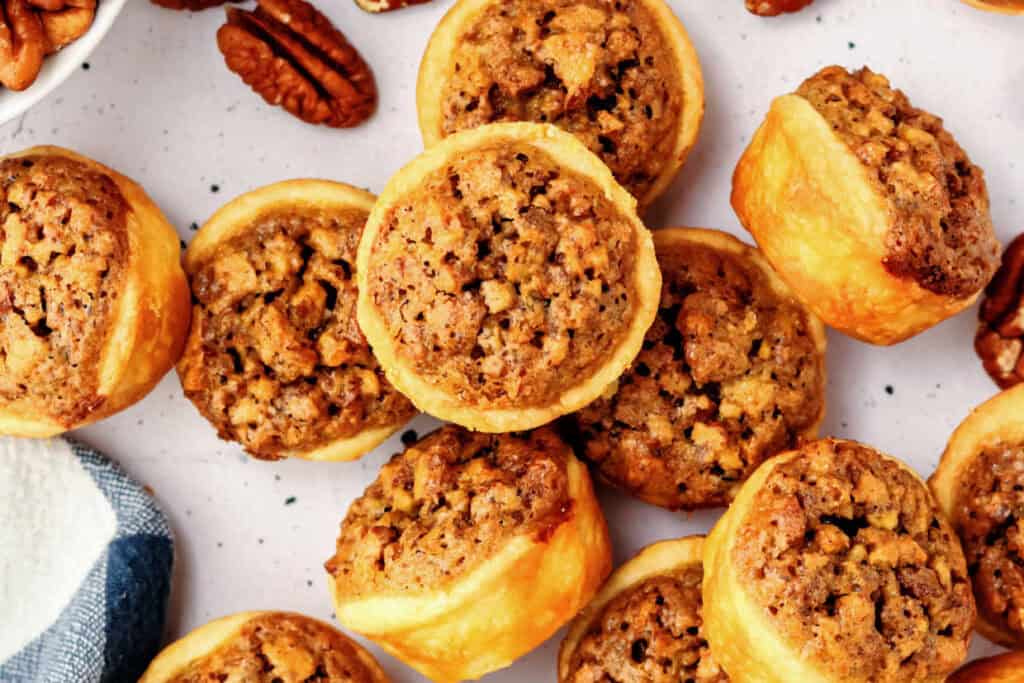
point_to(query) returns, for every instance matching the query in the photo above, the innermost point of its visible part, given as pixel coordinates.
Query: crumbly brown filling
(503, 279)
(852, 561)
(942, 236)
(281, 648)
(278, 362)
(600, 69)
(63, 257)
(446, 504)
(650, 633)
(991, 519)
(728, 376)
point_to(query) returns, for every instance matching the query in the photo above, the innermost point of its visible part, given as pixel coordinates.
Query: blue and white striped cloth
(111, 626)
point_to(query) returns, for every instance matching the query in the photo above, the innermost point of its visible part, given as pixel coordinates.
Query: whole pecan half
(771, 8)
(64, 21)
(1000, 338)
(22, 44)
(190, 5)
(377, 6)
(293, 56)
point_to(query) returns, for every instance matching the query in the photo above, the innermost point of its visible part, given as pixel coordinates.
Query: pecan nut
(377, 6)
(772, 8)
(22, 44)
(64, 21)
(291, 54)
(1000, 339)
(190, 5)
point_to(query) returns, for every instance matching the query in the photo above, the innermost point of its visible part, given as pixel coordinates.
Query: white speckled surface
(158, 104)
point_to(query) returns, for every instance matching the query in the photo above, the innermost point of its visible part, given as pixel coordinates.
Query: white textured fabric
(55, 523)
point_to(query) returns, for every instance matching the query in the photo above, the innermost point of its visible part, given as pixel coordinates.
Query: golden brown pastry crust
(144, 306)
(868, 263)
(835, 564)
(583, 262)
(999, 6)
(731, 373)
(1004, 668)
(590, 108)
(265, 647)
(661, 587)
(275, 359)
(992, 427)
(470, 612)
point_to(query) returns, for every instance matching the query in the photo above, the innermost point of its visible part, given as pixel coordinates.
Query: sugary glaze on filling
(728, 376)
(942, 235)
(990, 516)
(503, 279)
(279, 363)
(600, 69)
(855, 567)
(281, 648)
(447, 503)
(63, 257)
(650, 633)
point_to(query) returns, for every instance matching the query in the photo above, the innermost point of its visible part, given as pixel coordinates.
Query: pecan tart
(645, 624)
(265, 647)
(834, 563)
(469, 550)
(867, 207)
(275, 359)
(731, 372)
(93, 302)
(621, 76)
(505, 279)
(980, 486)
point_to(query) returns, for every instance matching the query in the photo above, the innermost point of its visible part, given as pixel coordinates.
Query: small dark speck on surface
(220, 544)
(183, 245)
(818, 18)
(309, 583)
(844, 424)
(194, 226)
(290, 500)
(851, 45)
(215, 188)
(889, 389)
(409, 437)
(277, 477)
(260, 541)
(86, 66)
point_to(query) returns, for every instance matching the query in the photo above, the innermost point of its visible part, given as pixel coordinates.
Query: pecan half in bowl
(1000, 339)
(980, 485)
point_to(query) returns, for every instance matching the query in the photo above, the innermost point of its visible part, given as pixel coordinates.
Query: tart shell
(654, 560)
(234, 219)
(506, 606)
(149, 325)
(811, 207)
(744, 641)
(436, 66)
(570, 154)
(208, 638)
(997, 420)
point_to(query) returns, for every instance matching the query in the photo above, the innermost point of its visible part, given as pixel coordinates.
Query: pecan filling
(600, 69)
(728, 376)
(847, 553)
(446, 504)
(64, 253)
(504, 280)
(276, 360)
(281, 648)
(651, 632)
(991, 518)
(942, 237)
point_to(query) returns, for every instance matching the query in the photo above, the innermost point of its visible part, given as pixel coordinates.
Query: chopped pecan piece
(1000, 338)
(293, 56)
(376, 6)
(22, 44)
(772, 8)
(190, 5)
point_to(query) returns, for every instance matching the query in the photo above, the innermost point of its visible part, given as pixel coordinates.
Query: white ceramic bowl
(56, 68)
